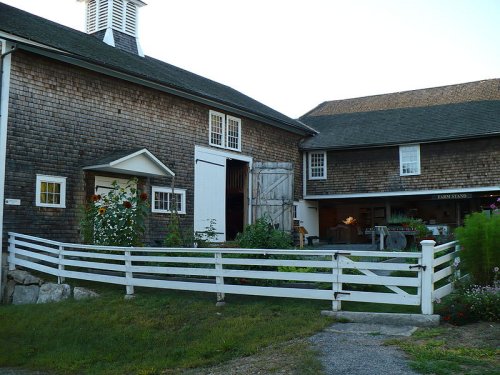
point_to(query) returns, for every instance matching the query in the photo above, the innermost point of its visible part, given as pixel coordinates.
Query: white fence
(310, 274)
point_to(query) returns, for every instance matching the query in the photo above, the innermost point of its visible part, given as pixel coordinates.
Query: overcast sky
(292, 55)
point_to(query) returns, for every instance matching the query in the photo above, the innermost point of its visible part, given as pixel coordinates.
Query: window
(317, 165)
(162, 200)
(233, 133)
(50, 191)
(409, 160)
(224, 131)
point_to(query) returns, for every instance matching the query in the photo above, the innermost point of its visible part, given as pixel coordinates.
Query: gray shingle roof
(404, 125)
(88, 48)
(464, 92)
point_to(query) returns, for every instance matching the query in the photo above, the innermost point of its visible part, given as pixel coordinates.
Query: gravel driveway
(358, 349)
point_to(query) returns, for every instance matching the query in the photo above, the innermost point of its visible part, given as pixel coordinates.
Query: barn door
(272, 194)
(210, 192)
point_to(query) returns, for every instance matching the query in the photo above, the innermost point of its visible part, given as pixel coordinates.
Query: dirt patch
(476, 335)
(291, 358)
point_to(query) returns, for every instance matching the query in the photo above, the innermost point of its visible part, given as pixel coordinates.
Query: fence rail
(405, 278)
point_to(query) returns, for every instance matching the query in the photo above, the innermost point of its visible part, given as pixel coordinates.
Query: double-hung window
(224, 131)
(317, 165)
(409, 160)
(163, 200)
(50, 191)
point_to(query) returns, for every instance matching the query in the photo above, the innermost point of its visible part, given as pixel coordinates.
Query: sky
(293, 55)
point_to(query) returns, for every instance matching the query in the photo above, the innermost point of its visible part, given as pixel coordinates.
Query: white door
(210, 192)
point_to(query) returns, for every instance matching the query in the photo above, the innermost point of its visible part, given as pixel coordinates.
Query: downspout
(4, 110)
(304, 175)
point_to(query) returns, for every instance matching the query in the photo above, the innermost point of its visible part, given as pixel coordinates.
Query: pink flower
(493, 206)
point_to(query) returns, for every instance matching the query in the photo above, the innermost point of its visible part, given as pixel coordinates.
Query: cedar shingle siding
(455, 164)
(62, 118)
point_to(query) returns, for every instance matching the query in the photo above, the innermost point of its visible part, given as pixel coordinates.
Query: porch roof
(138, 162)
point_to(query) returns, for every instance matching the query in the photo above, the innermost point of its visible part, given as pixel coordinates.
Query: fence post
(219, 280)
(128, 273)
(336, 285)
(60, 279)
(12, 253)
(427, 276)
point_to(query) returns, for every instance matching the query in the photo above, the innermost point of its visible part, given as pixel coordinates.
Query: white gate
(273, 193)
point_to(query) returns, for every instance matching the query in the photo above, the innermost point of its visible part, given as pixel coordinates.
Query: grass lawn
(157, 331)
(448, 350)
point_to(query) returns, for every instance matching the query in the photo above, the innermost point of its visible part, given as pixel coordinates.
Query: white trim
(324, 153)
(51, 179)
(304, 174)
(130, 156)
(168, 190)
(405, 193)
(5, 69)
(109, 37)
(223, 132)
(413, 147)
(237, 120)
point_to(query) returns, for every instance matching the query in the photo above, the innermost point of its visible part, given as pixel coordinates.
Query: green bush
(262, 235)
(480, 242)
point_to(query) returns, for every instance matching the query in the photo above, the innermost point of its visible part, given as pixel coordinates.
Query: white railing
(311, 274)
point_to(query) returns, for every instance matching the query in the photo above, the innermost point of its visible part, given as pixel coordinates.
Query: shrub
(174, 236)
(479, 238)
(116, 219)
(472, 303)
(262, 235)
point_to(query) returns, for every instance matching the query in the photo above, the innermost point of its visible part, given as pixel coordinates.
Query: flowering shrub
(472, 303)
(116, 219)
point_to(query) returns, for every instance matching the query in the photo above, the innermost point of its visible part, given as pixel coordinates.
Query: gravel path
(358, 349)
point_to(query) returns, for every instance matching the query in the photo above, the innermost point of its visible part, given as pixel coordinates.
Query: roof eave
(391, 144)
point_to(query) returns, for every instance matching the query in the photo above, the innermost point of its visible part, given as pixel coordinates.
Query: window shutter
(130, 18)
(91, 16)
(102, 18)
(118, 14)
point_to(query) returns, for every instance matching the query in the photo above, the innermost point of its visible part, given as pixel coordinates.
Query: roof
(137, 162)
(459, 93)
(404, 125)
(70, 43)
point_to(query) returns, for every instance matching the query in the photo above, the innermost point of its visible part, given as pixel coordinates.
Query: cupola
(115, 23)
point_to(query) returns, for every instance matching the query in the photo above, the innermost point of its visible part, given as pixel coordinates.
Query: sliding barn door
(272, 195)
(210, 192)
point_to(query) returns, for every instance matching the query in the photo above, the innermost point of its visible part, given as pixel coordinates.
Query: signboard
(452, 196)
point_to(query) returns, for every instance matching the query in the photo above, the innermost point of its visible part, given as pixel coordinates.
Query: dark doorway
(236, 197)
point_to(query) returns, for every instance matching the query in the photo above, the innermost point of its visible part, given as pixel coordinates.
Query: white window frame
(225, 130)
(238, 121)
(415, 148)
(168, 190)
(310, 168)
(223, 133)
(54, 180)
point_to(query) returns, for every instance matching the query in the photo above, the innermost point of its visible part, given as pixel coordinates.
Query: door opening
(236, 197)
